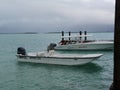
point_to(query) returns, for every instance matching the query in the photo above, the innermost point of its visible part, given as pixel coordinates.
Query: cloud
(53, 14)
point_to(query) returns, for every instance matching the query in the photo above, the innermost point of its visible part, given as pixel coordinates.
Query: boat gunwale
(89, 57)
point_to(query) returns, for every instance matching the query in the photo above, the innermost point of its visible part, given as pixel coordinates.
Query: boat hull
(59, 60)
(87, 46)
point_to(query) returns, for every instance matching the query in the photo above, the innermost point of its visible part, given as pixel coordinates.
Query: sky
(56, 15)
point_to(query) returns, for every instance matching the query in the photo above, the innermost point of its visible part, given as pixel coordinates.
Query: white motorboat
(53, 58)
(80, 42)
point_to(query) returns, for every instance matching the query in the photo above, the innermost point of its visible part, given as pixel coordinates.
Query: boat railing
(66, 42)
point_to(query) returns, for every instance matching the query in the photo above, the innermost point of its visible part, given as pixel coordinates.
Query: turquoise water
(97, 75)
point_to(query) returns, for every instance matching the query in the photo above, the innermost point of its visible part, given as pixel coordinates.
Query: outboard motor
(51, 46)
(21, 50)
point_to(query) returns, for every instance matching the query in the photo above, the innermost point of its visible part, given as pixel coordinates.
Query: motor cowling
(51, 46)
(21, 51)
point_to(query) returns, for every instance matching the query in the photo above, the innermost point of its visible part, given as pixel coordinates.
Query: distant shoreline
(78, 32)
(22, 33)
(53, 32)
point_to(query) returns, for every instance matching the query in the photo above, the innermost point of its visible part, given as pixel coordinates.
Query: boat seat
(40, 54)
(51, 52)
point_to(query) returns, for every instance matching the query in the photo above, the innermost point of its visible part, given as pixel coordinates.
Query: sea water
(97, 75)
